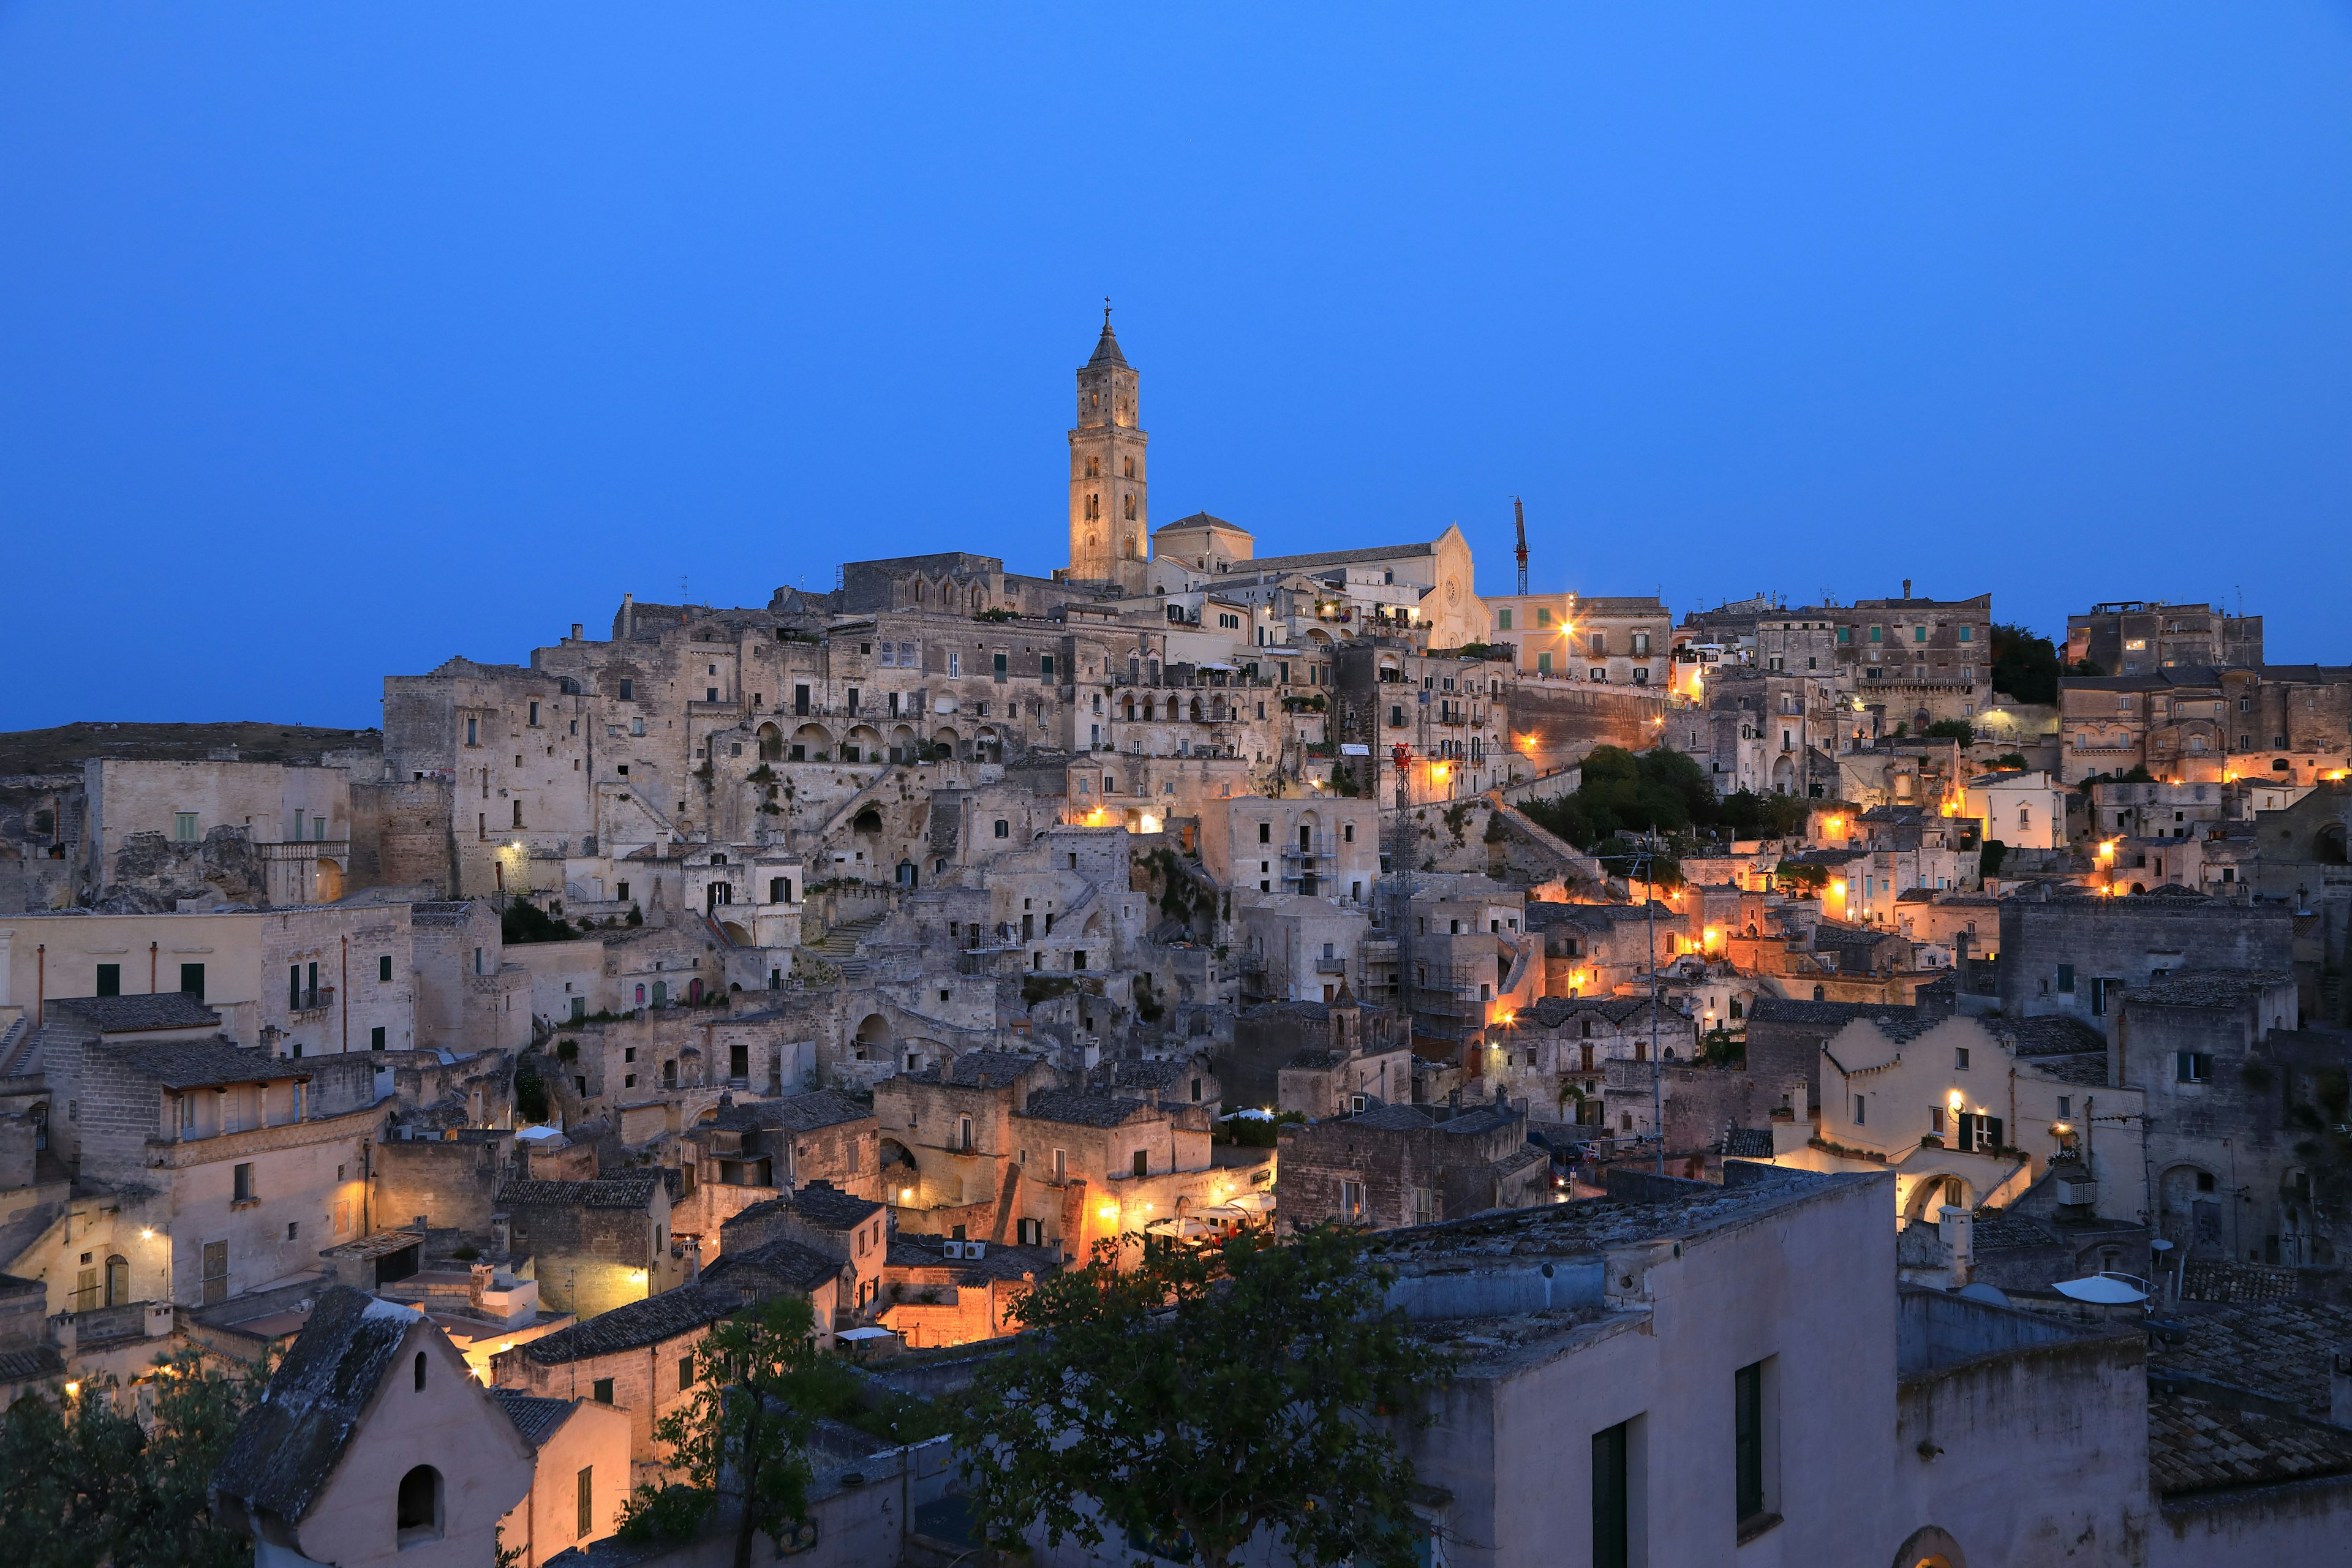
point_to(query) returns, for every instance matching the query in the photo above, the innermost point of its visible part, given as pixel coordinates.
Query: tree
(742, 1439)
(1661, 790)
(1959, 729)
(2024, 665)
(1205, 1395)
(82, 1482)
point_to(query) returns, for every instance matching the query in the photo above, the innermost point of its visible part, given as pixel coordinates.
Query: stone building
(203, 1170)
(374, 1444)
(2074, 956)
(1405, 1164)
(1921, 661)
(2129, 637)
(596, 1244)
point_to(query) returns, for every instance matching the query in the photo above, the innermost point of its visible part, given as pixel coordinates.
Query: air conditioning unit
(955, 1249)
(975, 1249)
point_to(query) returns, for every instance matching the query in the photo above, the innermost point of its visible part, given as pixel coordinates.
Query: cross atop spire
(1107, 346)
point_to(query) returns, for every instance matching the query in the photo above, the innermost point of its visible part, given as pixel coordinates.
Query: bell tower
(1109, 524)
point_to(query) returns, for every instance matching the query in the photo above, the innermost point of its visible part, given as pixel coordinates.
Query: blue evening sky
(335, 340)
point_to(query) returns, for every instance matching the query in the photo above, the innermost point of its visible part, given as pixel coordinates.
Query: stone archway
(1929, 1547)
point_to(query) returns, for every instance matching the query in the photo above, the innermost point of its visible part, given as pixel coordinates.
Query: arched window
(1130, 474)
(1093, 507)
(419, 1517)
(420, 1371)
(1130, 506)
(117, 1280)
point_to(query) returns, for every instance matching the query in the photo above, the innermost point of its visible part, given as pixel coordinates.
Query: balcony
(1330, 966)
(311, 1001)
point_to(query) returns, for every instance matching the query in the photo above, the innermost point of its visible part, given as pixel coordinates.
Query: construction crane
(1519, 512)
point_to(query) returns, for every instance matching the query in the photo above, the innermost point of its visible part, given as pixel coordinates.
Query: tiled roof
(290, 1444)
(1747, 1142)
(2207, 987)
(780, 1264)
(129, 1014)
(822, 1202)
(2195, 1446)
(440, 915)
(2089, 1068)
(636, 1324)
(2046, 1037)
(1551, 1012)
(2002, 1229)
(1392, 1119)
(199, 1064)
(627, 1190)
(534, 1417)
(2281, 1350)
(1792, 1010)
(982, 1069)
(1084, 1109)
(29, 1365)
(796, 1113)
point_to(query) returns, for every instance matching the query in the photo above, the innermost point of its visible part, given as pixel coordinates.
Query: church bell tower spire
(1109, 523)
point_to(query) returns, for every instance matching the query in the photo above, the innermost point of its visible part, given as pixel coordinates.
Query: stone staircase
(15, 1044)
(839, 945)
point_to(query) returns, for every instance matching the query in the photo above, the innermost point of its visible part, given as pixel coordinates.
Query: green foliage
(1036, 988)
(1343, 782)
(1988, 860)
(82, 1483)
(1206, 1393)
(1718, 1048)
(2024, 665)
(1250, 1132)
(995, 614)
(636, 916)
(2010, 760)
(1744, 814)
(836, 1391)
(1660, 790)
(742, 1438)
(1803, 879)
(1959, 729)
(2087, 668)
(529, 1093)
(523, 922)
(1620, 858)
(567, 1050)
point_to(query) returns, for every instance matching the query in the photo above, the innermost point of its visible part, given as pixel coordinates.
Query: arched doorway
(863, 744)
(329, 885)
(872, 1039)
(1929, 1547)
(811, 743)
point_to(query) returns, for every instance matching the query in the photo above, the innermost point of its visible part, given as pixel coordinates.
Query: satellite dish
(1990, 1295)
(2159, 1244)
(2100, 1289)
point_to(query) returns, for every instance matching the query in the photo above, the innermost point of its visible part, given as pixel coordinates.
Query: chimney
(1957, 1228)
(1907, 587)
(629, 615)
(576, 629)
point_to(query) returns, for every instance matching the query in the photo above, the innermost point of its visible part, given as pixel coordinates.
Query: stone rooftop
(2208, 988)
(534, 1417)
(132, 1015)
(199, 1064)
(636, 1324)
(1084, 1109)
(2280, 1349)
(627, 1190)
(2195, 1446)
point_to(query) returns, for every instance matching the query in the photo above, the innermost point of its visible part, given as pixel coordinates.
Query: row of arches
(814, 743)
